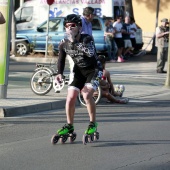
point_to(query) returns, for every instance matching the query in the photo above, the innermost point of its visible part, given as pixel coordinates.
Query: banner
(4, 8)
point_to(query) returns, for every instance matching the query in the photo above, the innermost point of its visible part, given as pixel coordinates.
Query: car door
(55, 33)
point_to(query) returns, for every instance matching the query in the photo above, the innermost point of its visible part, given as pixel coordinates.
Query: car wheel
(22, 48)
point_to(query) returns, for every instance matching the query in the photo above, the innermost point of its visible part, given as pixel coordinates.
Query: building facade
(145, 13)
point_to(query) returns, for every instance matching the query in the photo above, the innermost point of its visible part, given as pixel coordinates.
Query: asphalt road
(135, 136)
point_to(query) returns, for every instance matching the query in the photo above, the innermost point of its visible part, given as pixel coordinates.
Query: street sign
(50, 2)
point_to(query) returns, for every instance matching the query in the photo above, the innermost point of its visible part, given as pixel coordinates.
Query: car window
(96, 24)
(53, 25)
(24, 13)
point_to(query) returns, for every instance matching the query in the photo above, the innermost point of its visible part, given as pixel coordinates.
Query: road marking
(139, 101)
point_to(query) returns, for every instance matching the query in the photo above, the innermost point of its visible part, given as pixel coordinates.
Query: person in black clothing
(87, 71)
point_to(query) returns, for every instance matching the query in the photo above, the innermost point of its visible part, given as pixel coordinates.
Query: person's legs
(165, 56)
(70, 110)
(108, 42)
(70, 104)
(87, 93)
(133, 41)
(114, 49)
(113, 99)
(160, 62)
(128, 46)
(120, 45)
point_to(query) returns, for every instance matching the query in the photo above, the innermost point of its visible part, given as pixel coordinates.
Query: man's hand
(59, 78)
(165, 33)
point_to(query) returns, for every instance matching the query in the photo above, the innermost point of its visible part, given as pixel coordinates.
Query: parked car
(35, 39)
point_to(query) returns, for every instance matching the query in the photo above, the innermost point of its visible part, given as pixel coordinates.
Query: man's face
(90, 17)
(164, 24)
(127, 20)
(72, 31)
(119, 19)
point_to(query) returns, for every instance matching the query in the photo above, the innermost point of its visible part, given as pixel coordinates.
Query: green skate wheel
(72, 137)
(63, 139)
(55, 139)
(85, 139)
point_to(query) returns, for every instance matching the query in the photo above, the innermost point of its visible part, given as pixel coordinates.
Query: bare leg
(120, 51)
(109, 97)
(113, 99)
(70, 105)
(127, 50)
(87, 93)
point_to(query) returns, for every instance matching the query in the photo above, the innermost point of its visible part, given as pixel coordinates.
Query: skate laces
(92, 125)
(67, 126)
(65, 129)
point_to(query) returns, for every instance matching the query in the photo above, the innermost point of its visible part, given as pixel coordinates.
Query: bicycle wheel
(41, 82)
(96, 96)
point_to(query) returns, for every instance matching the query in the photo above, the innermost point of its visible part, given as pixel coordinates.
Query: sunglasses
(72, 25)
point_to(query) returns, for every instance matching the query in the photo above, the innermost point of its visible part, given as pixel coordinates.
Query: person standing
(126, 32)
(87, 18)
(109, 38)
(87, 72)
(133, 29)
(162, 39)
(117, 25)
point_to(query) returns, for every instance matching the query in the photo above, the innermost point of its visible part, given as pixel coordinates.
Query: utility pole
(49, 2)
(167, 82)
(5, 37)
(154, 49)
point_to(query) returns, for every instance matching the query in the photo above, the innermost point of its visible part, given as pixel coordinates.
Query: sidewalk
(138, 75)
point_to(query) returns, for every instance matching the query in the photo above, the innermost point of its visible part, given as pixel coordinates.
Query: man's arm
(159, 34)
(61, 59)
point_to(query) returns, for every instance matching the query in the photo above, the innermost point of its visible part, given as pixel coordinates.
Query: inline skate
(91, 133)
(66, 132)
(119, 88)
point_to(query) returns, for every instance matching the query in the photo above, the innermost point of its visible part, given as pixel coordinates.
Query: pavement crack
(149, 159)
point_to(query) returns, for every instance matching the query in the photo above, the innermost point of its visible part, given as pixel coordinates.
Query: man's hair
(88, 10)
(73, 18)
(119, 16)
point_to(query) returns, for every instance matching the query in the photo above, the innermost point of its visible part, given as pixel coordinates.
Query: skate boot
(66, 132)
(119, 88)
(91, 133)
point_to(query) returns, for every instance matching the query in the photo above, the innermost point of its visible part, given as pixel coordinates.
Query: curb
(34, 59)
(16, 111)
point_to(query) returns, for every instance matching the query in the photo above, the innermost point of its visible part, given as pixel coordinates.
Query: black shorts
(133, 40)
(83, 76)
(119, 42)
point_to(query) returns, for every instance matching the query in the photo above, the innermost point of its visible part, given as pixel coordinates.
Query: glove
(99, 75)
